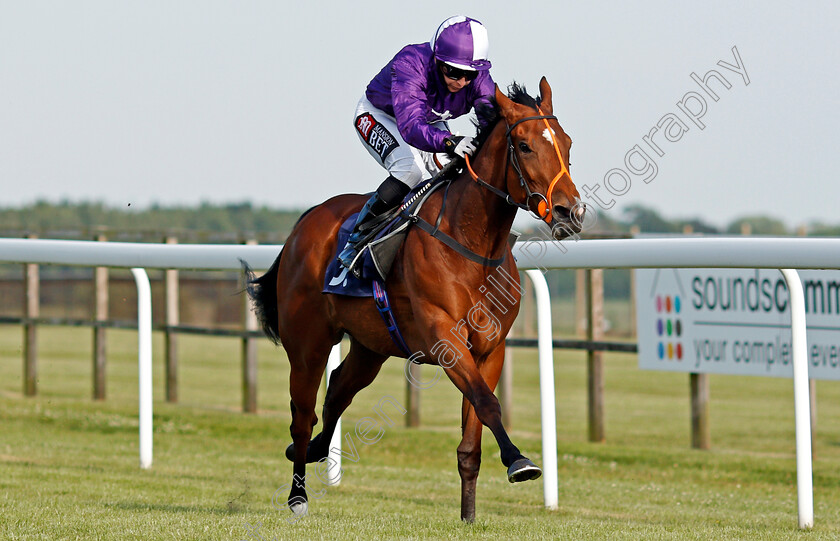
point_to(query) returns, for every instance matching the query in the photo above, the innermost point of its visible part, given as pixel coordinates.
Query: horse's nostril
(561, 213)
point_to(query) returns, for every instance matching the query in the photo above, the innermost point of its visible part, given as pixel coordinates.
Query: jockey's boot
(387, 197)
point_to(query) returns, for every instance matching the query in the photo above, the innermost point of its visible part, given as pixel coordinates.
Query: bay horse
(439, 298)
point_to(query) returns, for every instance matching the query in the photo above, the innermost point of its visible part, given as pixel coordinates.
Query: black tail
(263, 294)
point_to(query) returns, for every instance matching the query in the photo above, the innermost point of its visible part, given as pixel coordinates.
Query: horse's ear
(505, 104)
(545, 96)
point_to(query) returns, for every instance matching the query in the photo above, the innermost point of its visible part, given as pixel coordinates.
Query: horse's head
(539, 158)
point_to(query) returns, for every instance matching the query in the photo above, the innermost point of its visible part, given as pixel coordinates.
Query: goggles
(456, 74)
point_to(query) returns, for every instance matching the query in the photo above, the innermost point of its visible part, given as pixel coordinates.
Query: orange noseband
(542, 207)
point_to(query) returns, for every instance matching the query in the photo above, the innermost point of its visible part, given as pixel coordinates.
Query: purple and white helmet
(462, 42)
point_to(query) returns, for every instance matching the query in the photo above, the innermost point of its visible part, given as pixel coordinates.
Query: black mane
(489, 114)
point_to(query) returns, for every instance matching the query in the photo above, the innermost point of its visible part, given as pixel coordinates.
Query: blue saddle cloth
(338, 279)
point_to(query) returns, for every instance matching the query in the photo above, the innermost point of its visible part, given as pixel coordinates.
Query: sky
(183, 102)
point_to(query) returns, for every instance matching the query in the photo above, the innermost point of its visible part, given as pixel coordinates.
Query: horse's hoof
(300, 509)
(523, 470)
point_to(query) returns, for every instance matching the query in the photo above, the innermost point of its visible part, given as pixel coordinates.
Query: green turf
(69, 467)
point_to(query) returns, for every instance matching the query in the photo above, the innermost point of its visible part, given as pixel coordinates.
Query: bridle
(544, 205)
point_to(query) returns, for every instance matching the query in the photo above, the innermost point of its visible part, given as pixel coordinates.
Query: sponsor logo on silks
(375, 135)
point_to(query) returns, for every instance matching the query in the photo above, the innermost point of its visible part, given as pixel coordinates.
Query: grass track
(69, 466)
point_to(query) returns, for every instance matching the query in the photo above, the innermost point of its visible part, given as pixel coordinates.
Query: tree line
(649, 220)
(216, 221)
(243, 218)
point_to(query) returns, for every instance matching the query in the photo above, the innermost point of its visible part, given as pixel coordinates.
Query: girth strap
(380, 297)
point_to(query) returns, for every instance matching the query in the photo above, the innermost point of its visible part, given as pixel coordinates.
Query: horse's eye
(523, 147)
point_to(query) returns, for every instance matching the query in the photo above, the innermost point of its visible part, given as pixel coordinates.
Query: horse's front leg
(469, 451)
(459, 365)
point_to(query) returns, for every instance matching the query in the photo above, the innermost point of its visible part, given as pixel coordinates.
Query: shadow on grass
(230, 508)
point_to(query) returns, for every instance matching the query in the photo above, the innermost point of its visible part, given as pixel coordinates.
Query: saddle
(379, 246)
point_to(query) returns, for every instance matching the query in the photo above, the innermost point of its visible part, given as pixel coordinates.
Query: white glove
(459, 145)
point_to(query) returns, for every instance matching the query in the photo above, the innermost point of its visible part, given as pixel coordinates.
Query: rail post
(548, 417)
(412, 396)
(701, 432)
(527, 309)
(144, 364)
(100, 281)
(581, 303)
(595, 359)
(801, 400)
(170, 337)
(31, 310)
(812, 392)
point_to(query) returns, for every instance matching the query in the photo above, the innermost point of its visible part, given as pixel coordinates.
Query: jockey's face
(455, 86)
(452, 84)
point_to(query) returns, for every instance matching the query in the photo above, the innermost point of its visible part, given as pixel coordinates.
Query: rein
(544, 206)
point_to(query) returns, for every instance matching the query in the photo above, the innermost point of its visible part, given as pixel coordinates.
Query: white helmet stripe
(481, 44)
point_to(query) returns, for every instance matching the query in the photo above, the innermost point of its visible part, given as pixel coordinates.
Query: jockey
(401, 119)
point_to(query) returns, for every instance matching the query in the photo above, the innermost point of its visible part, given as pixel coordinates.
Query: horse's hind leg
(359, 369)
(469, 451)
(304, 379)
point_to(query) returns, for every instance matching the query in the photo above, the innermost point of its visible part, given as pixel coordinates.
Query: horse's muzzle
(567, 222)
